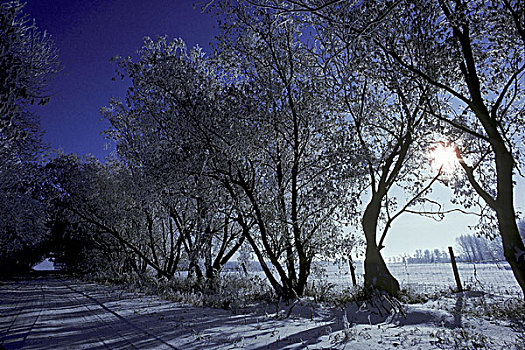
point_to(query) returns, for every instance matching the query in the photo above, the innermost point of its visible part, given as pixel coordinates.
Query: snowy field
(429, 278)
(50, 312)
(422, 278)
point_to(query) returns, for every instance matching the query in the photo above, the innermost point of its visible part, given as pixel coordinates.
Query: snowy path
(49, 312)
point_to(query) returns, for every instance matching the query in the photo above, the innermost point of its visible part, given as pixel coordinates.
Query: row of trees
(308, 116)
(472, 248)
(28, 59)
(475, 248)
(466, 59)
(480, 249)
(426, 256)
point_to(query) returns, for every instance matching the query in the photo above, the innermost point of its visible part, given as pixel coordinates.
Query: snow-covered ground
(52, 312)
(45, 265)
(428, 278)
(423, 278)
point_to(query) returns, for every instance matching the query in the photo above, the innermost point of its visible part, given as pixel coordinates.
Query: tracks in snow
(52, 312)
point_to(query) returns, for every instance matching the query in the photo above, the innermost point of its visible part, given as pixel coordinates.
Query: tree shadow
(54, 312)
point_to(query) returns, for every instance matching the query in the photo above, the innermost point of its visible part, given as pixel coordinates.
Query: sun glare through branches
(444, 157)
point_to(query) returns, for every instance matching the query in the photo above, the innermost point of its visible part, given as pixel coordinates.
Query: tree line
(307, 117)
(475, 248)
(469, 248)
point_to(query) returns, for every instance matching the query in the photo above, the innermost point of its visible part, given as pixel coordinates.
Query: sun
(444, 158)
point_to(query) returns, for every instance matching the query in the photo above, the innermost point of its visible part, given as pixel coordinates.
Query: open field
(429, 278)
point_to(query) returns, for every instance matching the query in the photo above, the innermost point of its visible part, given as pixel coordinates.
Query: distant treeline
(479, 249)
(469, 248)
(423, 257)
(473, 248)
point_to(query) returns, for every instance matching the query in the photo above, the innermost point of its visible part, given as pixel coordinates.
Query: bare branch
(443, 212)
(503, 92)
(407, 205)
(423, 75)
(457, 125)
(477, 187)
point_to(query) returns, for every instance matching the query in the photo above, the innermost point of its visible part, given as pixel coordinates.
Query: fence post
(352, 270)
(455, 269)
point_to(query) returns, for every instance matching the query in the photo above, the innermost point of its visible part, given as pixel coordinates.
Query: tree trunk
(352, 270)
(513, 249)
(377, 275)
(194, 270)
(286, 289)
(513, 246)
(304, 271)
(503, 204)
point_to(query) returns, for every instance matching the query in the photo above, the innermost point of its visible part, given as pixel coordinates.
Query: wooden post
(352, 270)
(455, 269)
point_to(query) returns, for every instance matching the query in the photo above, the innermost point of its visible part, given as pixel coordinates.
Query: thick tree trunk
(377, 275)
(490, 119)
(513, 248)
(194, 270)
(304, 272)
(212, 277)
(503, 204)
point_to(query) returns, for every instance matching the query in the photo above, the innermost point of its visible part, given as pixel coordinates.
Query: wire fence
(489, 277)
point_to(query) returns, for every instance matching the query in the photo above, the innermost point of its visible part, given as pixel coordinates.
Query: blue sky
(88, 34)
